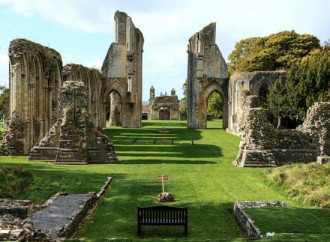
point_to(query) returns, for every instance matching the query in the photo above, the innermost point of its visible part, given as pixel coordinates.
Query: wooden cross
(163, 178)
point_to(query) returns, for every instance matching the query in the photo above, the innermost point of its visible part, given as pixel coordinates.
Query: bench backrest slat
(162, 215)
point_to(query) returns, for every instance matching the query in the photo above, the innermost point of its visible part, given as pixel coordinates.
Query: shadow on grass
(158, 161)
(164, 123)
(291, 220)
(130, 134)
(171, 151)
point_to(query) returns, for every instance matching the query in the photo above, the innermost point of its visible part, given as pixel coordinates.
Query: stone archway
(117, 87)
(207, 72)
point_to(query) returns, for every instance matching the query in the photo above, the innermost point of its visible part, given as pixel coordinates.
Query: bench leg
(139, 229)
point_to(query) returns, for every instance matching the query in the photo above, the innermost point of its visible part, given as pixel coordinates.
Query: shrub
(13, 181)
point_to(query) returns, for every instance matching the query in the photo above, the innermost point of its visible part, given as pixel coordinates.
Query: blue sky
(82, 30)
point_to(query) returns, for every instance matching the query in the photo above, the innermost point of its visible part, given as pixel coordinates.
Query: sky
(82, 30)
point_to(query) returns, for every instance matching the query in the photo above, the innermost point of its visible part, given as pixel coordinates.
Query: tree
(4, 99)
(183, 106)
(308, 82)
(274, 52)
(214, 105)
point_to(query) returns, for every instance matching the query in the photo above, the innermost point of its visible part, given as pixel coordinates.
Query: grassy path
(201, 177)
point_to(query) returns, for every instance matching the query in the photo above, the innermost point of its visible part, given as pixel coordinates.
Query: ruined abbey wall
(207, 72)
(34, 82)
(263, 145)
(74, 139)
(255, 83)
(123, 68)
(94, 82)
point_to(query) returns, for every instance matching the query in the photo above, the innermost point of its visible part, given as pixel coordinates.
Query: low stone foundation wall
(57, 219)
(245, 222)
(17, 208)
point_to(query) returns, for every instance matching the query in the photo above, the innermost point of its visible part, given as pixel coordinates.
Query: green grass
(13, 181)
(292, 221)
(201, 177)
(306, 183)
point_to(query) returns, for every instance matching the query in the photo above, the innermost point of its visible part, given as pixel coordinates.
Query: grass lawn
(298, 225)
(201, 177)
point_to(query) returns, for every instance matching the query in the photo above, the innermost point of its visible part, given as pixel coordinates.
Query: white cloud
(97, 64)
(168, 24)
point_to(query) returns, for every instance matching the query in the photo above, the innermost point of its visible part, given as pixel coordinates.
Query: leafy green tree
(273, 52)
(308, 82)
(214, 105)
(183, 106)
(4, 100)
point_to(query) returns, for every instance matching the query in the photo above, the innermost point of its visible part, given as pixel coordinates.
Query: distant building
(163, 107)
(145, 111)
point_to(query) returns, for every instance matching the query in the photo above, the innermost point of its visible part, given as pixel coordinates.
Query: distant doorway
(164, 113)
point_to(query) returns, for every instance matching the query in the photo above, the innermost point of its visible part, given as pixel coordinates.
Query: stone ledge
(245, 222)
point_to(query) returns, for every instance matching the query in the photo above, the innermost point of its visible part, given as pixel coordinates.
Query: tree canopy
(273, 52)
(4, 99)
(308, 81)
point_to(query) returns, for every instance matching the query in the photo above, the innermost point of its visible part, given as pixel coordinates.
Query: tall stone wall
(251, 83)
(73, 139)
(123, 68)
(263, 145)
(207, 72)
(34, 83)
(94, 82)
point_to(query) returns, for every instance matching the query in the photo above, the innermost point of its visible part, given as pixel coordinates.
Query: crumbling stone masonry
(207, 72)
(34, 82)
(123, 67)
(163, 107)
(94, 83)
(262, 145)
(115, 109)
(317, 124)
(252, 83)
(74, 139)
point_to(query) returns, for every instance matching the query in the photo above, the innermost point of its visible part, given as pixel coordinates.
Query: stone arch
(117, 86)
(263, 92)
(214, 86)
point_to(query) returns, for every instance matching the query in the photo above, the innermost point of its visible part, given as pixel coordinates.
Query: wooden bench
(163, 215)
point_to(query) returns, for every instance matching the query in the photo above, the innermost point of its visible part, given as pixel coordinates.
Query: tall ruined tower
(123, 68)
(207, 73)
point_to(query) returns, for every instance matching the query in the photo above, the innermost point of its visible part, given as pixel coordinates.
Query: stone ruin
(74, 139)
(94, 82)
(123, 68)
(163, 107)
(255, 84)
(262, 145)
(207, 73)
(34, 82)
(36, 106)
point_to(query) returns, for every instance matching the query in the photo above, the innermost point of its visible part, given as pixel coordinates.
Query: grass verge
(306, 183)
